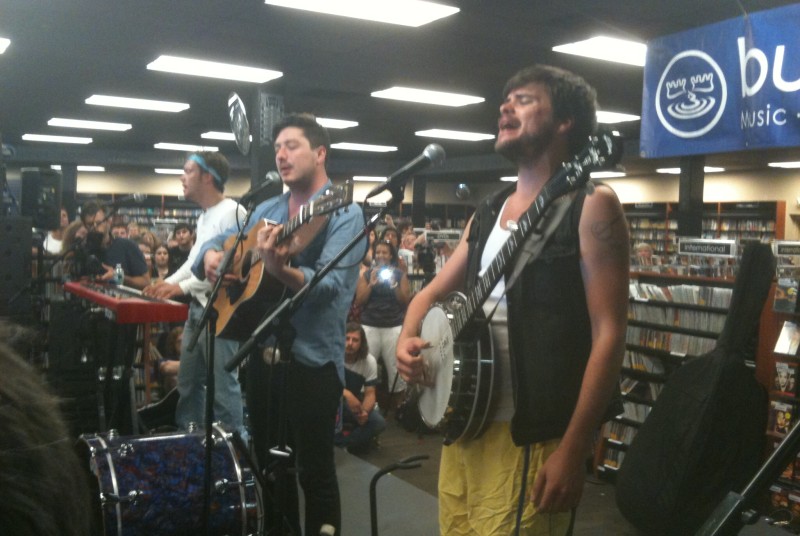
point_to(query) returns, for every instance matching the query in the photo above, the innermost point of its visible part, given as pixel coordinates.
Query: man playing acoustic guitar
(203, 181)
(314, 375)
(559, 339)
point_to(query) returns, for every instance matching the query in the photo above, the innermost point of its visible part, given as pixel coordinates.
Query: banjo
(459, 364)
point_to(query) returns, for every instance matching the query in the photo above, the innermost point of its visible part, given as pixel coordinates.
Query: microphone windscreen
(435, 153)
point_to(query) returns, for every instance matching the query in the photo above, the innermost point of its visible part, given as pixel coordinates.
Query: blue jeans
(192, 379)
(360, 435)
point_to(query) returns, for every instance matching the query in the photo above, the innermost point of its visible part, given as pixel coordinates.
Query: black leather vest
(549, 325)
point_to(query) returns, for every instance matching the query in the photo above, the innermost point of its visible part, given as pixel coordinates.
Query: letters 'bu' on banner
(729, 86)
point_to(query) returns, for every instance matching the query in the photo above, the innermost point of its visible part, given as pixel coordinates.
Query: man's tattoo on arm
(609, 233)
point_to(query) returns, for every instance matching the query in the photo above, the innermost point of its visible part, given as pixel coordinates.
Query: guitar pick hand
(410, 363)
(275, 254)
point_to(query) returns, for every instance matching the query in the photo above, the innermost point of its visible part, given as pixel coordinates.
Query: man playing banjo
(558, 331)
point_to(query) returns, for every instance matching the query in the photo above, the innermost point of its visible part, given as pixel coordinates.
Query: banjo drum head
(435, 396)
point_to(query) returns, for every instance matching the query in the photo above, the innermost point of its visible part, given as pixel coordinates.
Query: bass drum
(154, 484)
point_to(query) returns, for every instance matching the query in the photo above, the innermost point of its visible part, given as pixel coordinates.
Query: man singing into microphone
(559, 330)
(203, 180)
(314, 374)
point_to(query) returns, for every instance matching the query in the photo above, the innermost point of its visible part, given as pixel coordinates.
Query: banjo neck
(601, 150)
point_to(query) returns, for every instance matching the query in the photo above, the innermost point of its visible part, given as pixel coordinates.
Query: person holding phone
(383, 292)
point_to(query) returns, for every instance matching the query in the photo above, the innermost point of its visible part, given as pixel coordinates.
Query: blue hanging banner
(730, 86)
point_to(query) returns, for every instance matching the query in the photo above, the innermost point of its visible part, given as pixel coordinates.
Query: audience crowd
(396, 251)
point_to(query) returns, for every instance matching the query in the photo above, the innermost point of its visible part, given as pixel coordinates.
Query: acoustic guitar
(242, 302)
(459, 363)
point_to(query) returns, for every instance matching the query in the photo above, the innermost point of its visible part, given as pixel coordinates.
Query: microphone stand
(279, 318)
(209, 318)
(739, 509)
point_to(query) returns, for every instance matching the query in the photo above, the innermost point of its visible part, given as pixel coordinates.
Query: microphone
(133, 197)
(116, 205)
(433, 154)
(256, 191)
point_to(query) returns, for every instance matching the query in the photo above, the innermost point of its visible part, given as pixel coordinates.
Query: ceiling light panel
(412, 13)
(454, 135)
(369, 178)
(168, 171)
(336, 123)
(96, 169)
(56, 139)
(677, 170)
(615, 117)
(92, 125)
(607, 49)
(184, 147)
(425, 96)
(4, 44)
(137, 104)
(214, 135)
(784, 165)
(606, 174)
(364, 147)
(213, 69)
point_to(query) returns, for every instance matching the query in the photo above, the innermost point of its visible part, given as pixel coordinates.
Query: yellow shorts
(479, 485)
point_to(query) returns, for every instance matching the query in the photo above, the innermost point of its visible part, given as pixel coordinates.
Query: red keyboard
(128, 305)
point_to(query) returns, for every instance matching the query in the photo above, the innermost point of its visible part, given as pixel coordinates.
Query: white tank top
(503, 401)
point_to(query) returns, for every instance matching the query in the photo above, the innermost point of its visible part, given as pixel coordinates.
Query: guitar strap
(535, 242)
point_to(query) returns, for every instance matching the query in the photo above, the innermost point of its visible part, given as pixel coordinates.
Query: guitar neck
(492, 274)
(293, 224)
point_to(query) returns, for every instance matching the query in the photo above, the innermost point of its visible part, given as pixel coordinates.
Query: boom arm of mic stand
(290, 304)
(223, 268)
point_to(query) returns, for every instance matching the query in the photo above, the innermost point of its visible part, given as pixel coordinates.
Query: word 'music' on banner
(729, 86)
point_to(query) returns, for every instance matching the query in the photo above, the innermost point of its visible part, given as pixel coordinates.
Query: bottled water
(119, 275)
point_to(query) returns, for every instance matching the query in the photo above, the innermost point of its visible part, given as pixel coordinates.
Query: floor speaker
(15, 266)
(72, 368)
(41, 197)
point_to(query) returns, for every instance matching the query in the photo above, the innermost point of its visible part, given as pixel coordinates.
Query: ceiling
(63, 52)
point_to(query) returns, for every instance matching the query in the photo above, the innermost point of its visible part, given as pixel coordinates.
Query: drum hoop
(225, 436)
(110, 480)
(114, 483)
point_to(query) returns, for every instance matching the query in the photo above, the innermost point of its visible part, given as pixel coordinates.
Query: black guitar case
(705, 434)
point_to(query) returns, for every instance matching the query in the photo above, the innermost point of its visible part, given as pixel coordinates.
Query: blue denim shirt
(320, 320)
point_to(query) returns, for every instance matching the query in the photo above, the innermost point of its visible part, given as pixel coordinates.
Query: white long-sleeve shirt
(211, 222)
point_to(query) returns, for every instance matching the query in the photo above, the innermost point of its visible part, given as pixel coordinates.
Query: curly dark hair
(572, 98)
(316, 134)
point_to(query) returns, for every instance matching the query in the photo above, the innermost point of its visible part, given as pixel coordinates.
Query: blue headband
(202, 163)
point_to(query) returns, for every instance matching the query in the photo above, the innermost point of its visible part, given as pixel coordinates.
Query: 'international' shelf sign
(728, 86)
